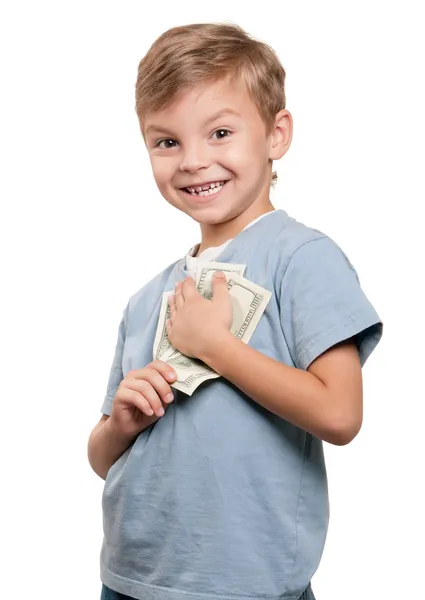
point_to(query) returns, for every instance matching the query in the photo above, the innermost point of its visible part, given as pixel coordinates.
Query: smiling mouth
(207, 189)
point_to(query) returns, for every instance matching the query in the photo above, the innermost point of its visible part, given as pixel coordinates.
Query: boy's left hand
(196, 321)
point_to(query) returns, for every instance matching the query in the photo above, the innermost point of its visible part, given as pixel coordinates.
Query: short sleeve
(116, 373)
(322, 304)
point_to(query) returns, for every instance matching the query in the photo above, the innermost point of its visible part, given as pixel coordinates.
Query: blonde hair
(188, 55)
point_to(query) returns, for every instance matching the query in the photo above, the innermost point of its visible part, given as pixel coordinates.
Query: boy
(223, 494)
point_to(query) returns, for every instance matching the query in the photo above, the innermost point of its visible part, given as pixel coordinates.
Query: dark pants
(108, 594)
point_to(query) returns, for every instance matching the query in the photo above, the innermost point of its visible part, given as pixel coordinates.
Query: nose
(195, 158)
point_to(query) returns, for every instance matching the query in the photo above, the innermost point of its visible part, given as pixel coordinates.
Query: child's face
(189, 145)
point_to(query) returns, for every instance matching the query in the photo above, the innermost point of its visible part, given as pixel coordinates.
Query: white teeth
(207, 190)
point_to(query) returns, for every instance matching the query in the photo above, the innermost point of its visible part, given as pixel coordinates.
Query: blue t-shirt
(220, 498)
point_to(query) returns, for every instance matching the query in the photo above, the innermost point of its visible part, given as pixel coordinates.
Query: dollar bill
(162, 344)
(191, 372)
(204, 285)
(205, 274)
(249, 302)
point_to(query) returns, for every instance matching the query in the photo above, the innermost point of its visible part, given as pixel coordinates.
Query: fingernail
(169, 397)
(220, 274)
(161, 412)
(171, 375)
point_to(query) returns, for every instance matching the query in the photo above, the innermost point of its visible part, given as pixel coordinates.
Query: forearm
(293, 394)
(106, 445)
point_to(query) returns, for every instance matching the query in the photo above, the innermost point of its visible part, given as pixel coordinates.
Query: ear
(281, 135)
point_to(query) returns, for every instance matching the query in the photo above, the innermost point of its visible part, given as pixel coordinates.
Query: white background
(83, 227)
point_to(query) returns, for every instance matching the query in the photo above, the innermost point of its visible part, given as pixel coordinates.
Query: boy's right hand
(141, 398)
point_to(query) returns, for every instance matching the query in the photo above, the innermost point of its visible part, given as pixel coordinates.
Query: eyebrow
(221, 113)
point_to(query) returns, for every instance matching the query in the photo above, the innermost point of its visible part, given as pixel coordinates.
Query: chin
(203, 218)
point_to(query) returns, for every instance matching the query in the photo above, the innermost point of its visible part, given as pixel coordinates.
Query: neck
(216, 234)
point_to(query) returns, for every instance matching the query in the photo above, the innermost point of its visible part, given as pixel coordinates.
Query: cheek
(243, 156)
(162, 170)
(232, 159)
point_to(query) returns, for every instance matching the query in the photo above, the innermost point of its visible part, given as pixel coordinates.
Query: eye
(159, 142)
(222, 131)
(169, 140)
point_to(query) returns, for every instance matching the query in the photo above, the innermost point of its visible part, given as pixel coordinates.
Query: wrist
(117, 435)
(214, 348)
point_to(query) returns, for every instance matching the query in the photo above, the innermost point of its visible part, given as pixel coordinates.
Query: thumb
(219, 286)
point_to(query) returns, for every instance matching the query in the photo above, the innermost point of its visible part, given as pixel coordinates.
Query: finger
(158, 365)
(143, 405)
(135, 398)
(171, 300)
(219, 287)
(189, 288)
(179, 296)
(160, 385)
(148, 392)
